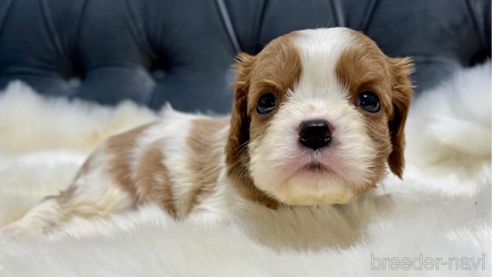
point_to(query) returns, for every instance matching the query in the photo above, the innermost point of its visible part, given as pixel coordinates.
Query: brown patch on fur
(151, 183)
(363, 67)
(207, 150)
(244, 184)
(86, 167)
(402, 98)
(152, 178)
(276, 70)
(66, 195)
(119, 147)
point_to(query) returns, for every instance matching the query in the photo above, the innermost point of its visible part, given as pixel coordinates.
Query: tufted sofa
(153, 51)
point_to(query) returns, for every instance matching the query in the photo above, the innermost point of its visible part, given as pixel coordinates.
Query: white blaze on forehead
(319, 51)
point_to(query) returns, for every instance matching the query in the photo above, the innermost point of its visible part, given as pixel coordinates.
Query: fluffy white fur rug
(443, 209)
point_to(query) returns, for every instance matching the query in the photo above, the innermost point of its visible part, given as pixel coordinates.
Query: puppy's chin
(309, 189)
(299, 190)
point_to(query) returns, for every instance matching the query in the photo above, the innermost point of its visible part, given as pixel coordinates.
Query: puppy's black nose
(315, 134)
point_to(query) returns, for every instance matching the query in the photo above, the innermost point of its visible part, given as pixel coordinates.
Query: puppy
(317, 117)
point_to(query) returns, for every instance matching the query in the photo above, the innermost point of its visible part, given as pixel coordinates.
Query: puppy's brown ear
(401, 68)
(239, 132)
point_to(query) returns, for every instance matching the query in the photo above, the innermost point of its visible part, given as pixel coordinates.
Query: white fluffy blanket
(445, 219)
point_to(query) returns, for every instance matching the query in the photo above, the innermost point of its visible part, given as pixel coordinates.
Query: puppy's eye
(368, 101)
(266, 103)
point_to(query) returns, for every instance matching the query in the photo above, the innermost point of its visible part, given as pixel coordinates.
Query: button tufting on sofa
(154, 51)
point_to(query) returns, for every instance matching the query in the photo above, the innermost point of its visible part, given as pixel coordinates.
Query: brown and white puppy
(317, 116)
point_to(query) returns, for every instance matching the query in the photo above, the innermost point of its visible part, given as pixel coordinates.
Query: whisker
(241, 148)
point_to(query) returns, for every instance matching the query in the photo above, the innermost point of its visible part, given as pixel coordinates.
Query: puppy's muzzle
(315, 134)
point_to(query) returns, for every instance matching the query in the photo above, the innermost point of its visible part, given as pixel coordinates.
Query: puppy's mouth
(314, 167)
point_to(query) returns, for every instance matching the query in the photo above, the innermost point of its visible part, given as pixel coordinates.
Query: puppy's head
(316, 117)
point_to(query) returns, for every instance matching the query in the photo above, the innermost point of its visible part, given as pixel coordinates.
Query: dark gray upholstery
(153, 51)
